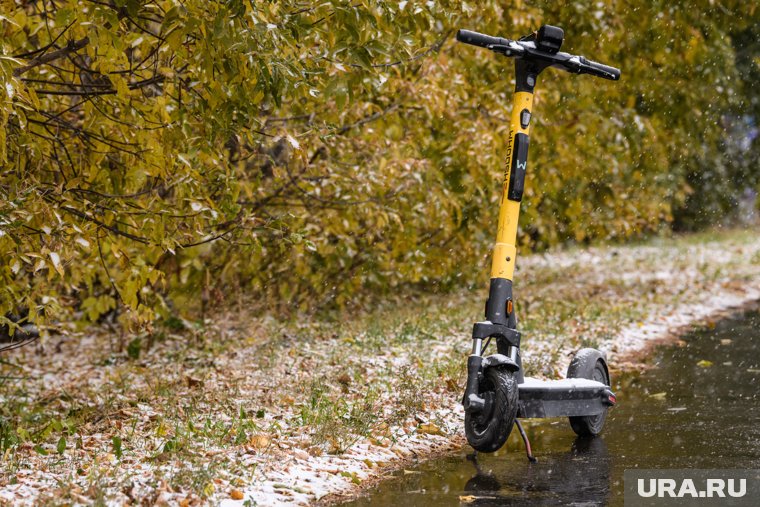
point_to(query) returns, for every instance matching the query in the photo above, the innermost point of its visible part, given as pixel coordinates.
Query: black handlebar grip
(600, 70)
(479, 39)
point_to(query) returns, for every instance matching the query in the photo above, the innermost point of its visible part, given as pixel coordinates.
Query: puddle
(698, 408)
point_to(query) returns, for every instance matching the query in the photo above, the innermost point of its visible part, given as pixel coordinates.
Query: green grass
(336, 422)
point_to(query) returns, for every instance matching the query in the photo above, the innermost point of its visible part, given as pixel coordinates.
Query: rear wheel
(488, 430)
(589, 364)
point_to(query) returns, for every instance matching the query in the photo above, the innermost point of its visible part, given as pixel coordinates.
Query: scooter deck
(563, 398)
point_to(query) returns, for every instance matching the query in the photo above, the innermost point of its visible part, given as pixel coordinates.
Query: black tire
(487, 431)
(589, 364)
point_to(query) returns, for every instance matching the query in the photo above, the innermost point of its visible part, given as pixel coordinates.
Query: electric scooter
(497, 393)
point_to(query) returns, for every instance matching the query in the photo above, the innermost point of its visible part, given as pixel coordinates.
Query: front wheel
(488, 430)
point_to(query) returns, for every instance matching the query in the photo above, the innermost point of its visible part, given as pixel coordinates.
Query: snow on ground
(315, 412)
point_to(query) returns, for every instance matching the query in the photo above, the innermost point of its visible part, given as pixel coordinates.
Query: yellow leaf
(56, 259)
(704, 363)
(430, 429)
(161, 430)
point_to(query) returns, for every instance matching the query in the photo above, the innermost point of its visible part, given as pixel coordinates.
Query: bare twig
(47, 46)
(368, 119)
(72, 47)
(105, 226)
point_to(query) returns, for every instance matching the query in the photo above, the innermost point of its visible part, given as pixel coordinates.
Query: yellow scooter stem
(505, 250)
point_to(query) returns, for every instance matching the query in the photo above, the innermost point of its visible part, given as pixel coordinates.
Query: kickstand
(524, 436)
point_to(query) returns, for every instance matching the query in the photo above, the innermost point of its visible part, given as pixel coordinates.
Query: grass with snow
(251, 409)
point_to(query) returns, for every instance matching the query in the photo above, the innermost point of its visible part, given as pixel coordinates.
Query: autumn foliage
(163, 154)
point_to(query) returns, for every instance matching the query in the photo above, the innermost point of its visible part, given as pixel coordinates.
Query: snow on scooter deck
(563, 398)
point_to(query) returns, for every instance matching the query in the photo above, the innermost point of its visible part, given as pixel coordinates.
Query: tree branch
(97, 222)
(29, 54)
(72, 47)
(368, 119)
(86, 91)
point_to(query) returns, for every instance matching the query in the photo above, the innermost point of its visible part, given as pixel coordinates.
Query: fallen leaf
(236, 494)
(704, 363)
(300, 454)
(658, 396)
(259, 441)
(380, 442)
(467, 498)
(430, 429)
(726, 341)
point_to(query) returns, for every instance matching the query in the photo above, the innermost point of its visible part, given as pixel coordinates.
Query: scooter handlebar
(528, 49)
(598, 69)
(480, 39)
